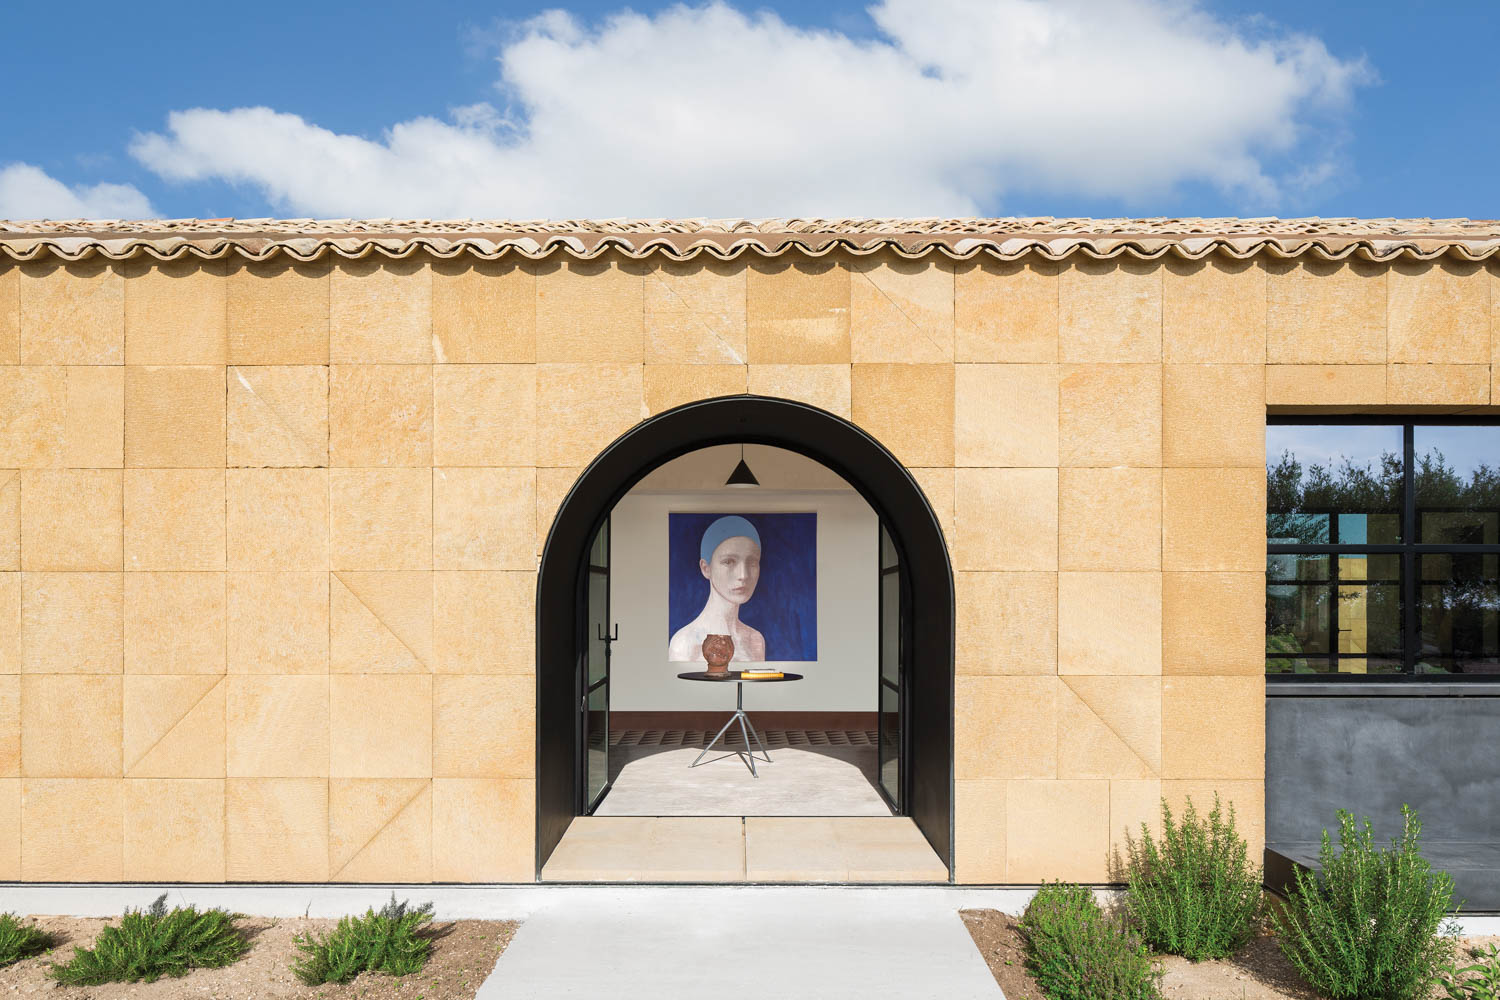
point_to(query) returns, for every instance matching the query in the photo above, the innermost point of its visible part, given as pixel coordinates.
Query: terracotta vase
(717, 651)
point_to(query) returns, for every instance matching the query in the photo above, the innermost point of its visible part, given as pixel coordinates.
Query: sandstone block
(1006, 311)
(72, 313)
(380, 830)
(979, 831)
(900, 310)
(1109, 519)
(176, 312)
(380, 311)
(1110, 415)
(70, 519)
(1006, 622)
(278, 416)
(276, 830)
(174, 417)
(1326, 312)
(380, 726)
(174, 726)
(1005, 519)
(1214, 415)
(276, 726)
(1437, 313)
(175, 623)
(70, 726)
(484, 518)
(828, 387)
(483, 829)
(1325, 385)
(71, 623)
(484, 415)
(695, 312)
(380, 622)
(278, 312)
(1213, 519)
(174, 830)
(671, 385)
(586, 406)
(1214, 311)
(380, 415)
(1214, 727)
(483, 311)
(797, 312)
(1213, 623)
(1110, 311)
(71, 829)
(1057, 830)
(484, 623)
(174, 519)
(907, 408)
(1109, 623)
(1109, 727)
(1007, 415)
(1005, 727)
(277, 519)
(1437, 385)
(590, 311)
(483, 727)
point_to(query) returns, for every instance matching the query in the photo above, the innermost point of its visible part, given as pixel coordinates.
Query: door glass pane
(1459, 609)
(889, 750)
(1457, 487)
(598, 622)
(1333, 484)
(887, 549)
(890, 627)
(596, 768)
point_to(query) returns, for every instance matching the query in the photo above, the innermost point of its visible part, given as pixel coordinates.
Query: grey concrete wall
(1438, 751)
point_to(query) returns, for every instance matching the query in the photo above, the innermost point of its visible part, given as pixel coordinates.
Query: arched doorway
(926, 660)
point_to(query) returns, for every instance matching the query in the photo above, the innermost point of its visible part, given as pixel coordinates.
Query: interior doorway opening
(795, 581)
(876, 596)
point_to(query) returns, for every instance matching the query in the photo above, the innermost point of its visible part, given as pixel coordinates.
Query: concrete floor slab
(650, 849)
(838, 849)
(831, 943)
(798, 781)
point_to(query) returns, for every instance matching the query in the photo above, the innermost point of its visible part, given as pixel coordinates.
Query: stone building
(296, 519)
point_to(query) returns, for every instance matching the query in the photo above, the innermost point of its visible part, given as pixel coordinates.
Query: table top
(734, 675)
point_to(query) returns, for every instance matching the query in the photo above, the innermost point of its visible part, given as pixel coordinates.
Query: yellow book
(761, 674)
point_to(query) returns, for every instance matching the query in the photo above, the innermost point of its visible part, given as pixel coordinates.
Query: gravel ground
(1258, 972)
(464, 952)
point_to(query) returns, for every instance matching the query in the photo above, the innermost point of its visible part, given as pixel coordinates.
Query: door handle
(599, 633)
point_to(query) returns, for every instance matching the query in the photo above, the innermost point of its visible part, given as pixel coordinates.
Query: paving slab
(827, 942)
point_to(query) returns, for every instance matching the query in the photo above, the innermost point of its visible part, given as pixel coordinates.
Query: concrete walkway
(805, 941)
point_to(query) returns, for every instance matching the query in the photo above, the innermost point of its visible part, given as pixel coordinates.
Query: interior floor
(810, 773)
(744, 849)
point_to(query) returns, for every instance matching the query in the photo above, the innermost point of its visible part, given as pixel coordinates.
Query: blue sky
(1367, 109)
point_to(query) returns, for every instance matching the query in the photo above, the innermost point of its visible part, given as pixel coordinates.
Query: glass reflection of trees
(1336, 597)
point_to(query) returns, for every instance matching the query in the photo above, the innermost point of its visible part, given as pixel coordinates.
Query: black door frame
(869, 468)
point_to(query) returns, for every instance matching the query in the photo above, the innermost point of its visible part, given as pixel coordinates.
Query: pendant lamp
(742, 477)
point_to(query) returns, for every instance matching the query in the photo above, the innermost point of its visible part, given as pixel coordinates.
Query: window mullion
(1408, 554)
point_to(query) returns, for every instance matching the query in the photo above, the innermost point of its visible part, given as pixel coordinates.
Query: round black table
(746, 729)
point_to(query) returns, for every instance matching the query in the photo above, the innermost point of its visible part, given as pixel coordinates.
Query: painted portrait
(753, 577)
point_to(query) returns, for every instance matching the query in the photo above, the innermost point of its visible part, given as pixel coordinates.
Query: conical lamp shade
(742, 476)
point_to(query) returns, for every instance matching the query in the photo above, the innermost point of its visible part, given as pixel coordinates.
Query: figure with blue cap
(729, 559)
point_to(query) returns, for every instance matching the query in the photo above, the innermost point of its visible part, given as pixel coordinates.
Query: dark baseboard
(846, 721)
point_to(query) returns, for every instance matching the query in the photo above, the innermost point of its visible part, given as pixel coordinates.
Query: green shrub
(1076, 953)
(391, 941)
(1195, 893)
(148, 944)
(1373, 924)
(1479, 980)
(18, 940)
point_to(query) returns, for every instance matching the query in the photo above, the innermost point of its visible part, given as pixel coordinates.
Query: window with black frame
(1382, 548)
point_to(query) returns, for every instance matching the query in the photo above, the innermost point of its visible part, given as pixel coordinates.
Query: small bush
(1195, 893)
(1373, 924)
(148, 944)
(18, 940)
(391, 941)
(1076, 953)
(1479, 980)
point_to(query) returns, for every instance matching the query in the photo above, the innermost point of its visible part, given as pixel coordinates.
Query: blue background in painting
(784, 608)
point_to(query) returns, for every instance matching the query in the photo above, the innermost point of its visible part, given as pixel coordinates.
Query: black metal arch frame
(836, 443)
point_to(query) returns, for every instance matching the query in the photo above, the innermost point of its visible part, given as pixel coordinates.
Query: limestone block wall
(269, 531)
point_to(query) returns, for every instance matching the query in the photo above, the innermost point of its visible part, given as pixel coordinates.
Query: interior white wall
(842, 679)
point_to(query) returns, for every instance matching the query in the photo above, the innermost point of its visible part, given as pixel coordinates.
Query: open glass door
(891, 682)
(594, 704)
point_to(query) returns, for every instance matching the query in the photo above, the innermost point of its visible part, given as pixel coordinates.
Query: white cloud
(28, 192)
(710, 111)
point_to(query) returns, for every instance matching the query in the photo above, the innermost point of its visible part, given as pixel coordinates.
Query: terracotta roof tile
(1373, 239)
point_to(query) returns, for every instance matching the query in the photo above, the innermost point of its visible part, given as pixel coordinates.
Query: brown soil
(997, 939)
(463, 954)
(1258, 972)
